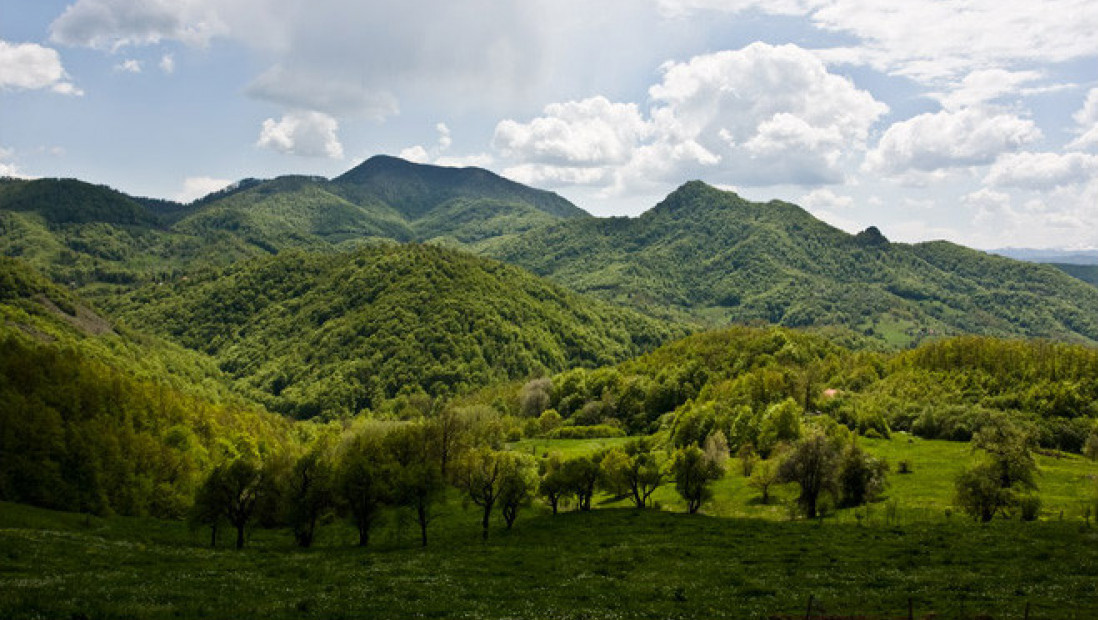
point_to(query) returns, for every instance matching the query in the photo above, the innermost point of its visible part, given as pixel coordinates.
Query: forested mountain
(702, 256)
(324, 334)
(99, 418)
(709, 254)
(90, 235)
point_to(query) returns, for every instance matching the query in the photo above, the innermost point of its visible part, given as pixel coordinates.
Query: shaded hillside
(709, 254)
(1086, 273)
(417, 189)
(323, 334)
(99, 418)
(91, 236)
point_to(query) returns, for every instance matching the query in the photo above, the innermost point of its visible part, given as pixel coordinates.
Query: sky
(974, 121)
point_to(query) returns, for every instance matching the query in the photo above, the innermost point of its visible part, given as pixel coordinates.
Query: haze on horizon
(973, 121)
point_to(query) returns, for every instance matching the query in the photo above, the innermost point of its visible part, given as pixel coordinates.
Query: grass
(615, 563)
(740, 560)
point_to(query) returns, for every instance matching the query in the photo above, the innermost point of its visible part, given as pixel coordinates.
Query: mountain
(97, 417)
(100, 239)
(329, 333)
(417, 189)
(709, 255)
(1068, 257)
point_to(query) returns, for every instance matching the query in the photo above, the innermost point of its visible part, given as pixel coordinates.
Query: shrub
(586, 432)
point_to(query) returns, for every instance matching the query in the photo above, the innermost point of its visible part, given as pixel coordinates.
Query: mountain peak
(414, 189)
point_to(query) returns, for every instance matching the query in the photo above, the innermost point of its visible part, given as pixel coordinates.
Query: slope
(99, 418)
(324, 334)
(708, 254)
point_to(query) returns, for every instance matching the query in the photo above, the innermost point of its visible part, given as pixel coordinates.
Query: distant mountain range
(700, 257)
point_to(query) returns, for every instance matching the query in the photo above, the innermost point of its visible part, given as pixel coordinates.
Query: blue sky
(970, 120)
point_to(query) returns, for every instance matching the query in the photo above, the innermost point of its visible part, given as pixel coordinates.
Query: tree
(1005, 474)
(534, 397)
(813, 464)
(517, 485)
(363, 481)
(416, 479)
(231, 491)
(553, 485)
(861, 476)
(764, 476)
(640, 472)
(781, 423)
(309, 494)
(748, 458)
(581, 474)
(694, 472)
(479, 474)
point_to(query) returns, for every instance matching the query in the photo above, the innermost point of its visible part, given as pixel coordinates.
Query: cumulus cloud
(416, 154)
(197, 187)
(1087, 120)
(113, 24)
(29, 66)
(591, 132)
(309, 134)
(985, 86)
(167, 63)
(436, 154)
(934, 40)
(1040, 171)
(761, 115)
(128, 66)
(823, 198)
(8, 168)
(947, 139)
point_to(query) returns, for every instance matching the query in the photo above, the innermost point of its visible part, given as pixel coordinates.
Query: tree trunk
(421, 511)
(213, 535)
(240, 536)
(484, 521)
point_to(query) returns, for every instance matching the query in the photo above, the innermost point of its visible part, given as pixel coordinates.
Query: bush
(904, 467)
(586, 432)
(1029, 506)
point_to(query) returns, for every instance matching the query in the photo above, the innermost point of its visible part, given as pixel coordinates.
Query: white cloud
(128, 66)
(935, 40)
(444, 139)
(113, 24)
(591, 132)
(29, 66)
(8, 168)
(984, 86)
(309, 134)
(762, 115)
(325, 92)
(1043, 170)
(942, 140)
(1087, 119)
(416, 154)
(477, 160)
(197, 187)
(167, 63)
(823, 198)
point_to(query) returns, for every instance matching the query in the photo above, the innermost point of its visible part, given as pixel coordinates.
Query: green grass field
(740, 560)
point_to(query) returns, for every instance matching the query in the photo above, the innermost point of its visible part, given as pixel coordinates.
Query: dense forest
(701, 257)
(335, 334)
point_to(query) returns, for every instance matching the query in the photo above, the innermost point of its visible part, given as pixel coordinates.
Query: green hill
(708, 254)
(417, 189)
(99, 418)
(321, 334)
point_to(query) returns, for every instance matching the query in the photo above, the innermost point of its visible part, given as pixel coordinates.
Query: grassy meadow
(740, 559)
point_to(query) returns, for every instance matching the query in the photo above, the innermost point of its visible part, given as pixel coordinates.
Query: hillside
(323, 334)
(709, 254)
(102, 240)
(102, 419)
